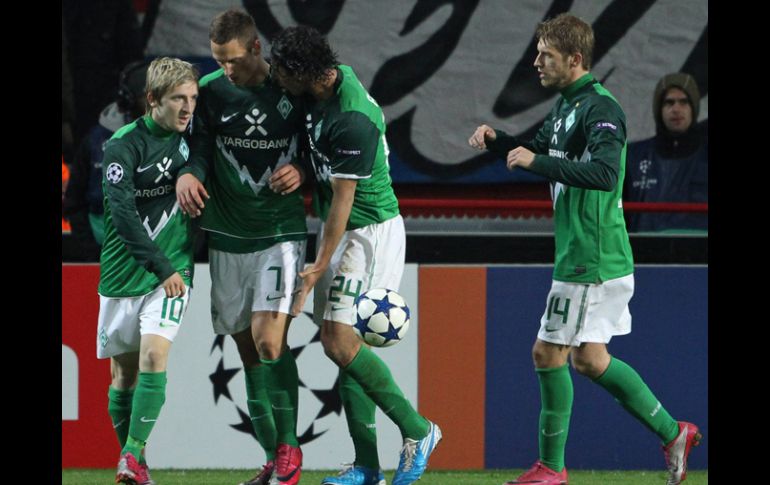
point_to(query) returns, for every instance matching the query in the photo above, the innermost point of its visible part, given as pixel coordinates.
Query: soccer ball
(382, 317)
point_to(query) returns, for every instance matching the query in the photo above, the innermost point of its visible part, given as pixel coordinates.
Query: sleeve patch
(606, 125)
(114, 173)
(347, 151)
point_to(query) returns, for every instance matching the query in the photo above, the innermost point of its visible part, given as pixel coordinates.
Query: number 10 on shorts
(171, 312)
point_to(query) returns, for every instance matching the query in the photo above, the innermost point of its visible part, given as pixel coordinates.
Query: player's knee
(541, 357)
(153, 360)
(268, 350)
(331, 346)
(124, 378)
(249, 357)
(586, 367)
(247, 349)
(335, 349)
(123, 373)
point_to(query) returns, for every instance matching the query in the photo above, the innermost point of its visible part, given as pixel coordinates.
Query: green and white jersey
(347, 140)
(147, 238)
(581, 148)
(241, 135)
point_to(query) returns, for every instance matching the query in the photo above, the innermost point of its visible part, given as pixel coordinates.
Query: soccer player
(244, 141)
(146, 260)
(361, 246)
(581, 148)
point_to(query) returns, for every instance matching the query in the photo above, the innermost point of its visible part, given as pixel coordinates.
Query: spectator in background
(672, 166)
(102, 37)
(84, 204)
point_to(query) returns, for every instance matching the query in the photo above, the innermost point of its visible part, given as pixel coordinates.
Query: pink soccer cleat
(131, 472)
(263, 477)
(541, 474)
(677, 451)
(288, 465)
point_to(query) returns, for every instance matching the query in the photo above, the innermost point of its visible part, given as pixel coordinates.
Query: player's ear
(576, 60)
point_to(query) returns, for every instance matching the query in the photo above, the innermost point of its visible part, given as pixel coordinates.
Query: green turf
(431, 477)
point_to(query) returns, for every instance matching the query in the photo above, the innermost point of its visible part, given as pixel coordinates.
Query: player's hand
(190, 193)
(174, 286)
(287, 179)
(519, 157)
(309, 279)
(481, 136)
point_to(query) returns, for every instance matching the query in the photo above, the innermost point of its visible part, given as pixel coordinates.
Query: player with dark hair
(361, 245)
(147, 259)
(243, 148)
(581, 148)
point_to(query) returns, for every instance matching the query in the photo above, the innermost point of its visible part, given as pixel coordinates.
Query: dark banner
(439, 68)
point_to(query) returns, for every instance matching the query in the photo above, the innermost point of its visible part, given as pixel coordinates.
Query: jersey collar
(154, 128)
(570, 91)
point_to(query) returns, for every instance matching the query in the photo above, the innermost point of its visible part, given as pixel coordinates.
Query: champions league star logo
(321, 397)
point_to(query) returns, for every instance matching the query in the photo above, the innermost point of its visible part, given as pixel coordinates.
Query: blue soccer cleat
(414, 457)
(356, 475)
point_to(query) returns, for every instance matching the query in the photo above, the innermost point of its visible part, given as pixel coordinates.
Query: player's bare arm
(334, 228)
(190, 193)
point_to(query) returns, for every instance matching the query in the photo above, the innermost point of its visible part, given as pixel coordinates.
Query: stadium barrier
(465, 364)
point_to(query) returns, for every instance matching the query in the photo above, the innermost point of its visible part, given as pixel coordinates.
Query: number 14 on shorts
(557, 313)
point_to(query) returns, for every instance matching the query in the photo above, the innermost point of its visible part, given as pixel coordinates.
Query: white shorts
(123, 321)
(253, 282)
(369, 257)
(576, 313)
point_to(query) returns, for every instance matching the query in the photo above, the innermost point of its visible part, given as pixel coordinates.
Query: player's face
(676, 111)
(552, 66)
(174, 110)
(240, 63)
(292, 84)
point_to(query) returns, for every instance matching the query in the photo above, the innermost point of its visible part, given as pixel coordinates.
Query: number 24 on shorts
(340, 283)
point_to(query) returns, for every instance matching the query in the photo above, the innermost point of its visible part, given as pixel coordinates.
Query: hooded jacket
(669, 167)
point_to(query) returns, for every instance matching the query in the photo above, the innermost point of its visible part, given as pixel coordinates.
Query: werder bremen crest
(184, 149)
(284, 106)
(570, 121)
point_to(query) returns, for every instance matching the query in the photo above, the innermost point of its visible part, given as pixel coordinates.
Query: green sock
(119, 408)
(282, 383)
(260, 410)
(149, 396)
(359, 412)
(556, 408)
(371, 373)
(628, 388)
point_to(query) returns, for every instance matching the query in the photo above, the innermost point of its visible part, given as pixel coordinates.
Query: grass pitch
(431, 477)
